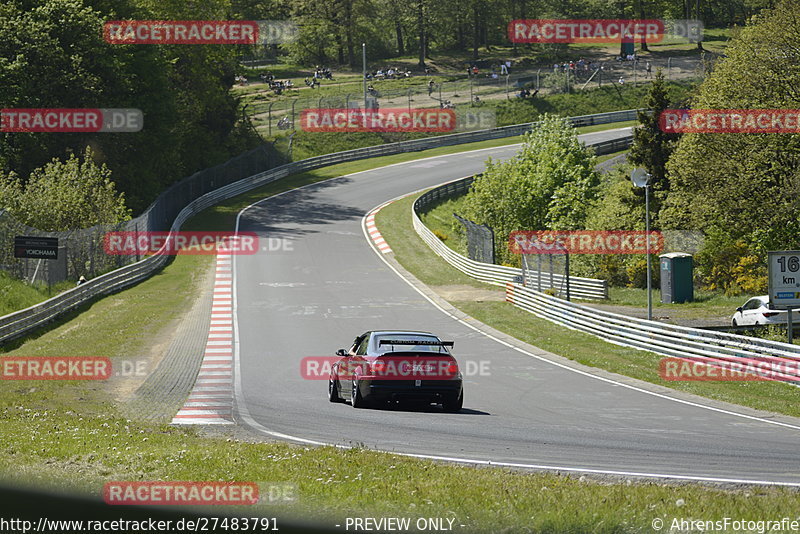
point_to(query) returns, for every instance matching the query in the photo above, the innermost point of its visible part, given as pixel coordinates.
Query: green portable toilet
(677, 270)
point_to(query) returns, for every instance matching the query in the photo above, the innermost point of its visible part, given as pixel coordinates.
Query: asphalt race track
(332, 285)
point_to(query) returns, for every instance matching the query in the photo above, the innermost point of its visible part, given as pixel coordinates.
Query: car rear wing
(415, 342)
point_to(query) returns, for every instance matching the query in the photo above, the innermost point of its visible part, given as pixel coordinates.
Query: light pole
(641, 178)
(364, 72)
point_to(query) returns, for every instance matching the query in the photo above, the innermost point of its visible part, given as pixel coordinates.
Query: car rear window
(407, 348)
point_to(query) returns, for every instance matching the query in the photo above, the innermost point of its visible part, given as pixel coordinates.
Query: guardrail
(692, 344)
(21, 322)
(586, 288)
(499, 275)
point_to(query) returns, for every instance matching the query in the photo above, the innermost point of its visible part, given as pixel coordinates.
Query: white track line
(243, 413)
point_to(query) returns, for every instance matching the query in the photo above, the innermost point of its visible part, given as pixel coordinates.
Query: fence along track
(194, 196)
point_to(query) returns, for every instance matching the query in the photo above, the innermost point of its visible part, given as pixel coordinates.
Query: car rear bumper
(395, 390)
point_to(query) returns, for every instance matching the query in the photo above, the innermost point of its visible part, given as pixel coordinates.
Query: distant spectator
(81, 280)
(431, 85)
(503, 68)
(648, 69)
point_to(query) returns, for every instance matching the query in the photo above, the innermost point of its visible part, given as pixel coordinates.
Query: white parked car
(758, 311)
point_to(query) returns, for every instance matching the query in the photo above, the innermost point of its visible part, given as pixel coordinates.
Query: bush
(548, 185)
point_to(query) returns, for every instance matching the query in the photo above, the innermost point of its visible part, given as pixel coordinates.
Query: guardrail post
(269, 119)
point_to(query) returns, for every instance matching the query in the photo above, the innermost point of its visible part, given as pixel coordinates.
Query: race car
(383, 367)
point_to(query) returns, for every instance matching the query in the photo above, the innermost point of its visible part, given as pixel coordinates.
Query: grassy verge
(395, 226)
(17, 294)
(70, 436)
(706, 303)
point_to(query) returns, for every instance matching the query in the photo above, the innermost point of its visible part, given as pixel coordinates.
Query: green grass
(17, 294)
(706, 303)
(593, 100)
(82, 453)
(70, 436)
(394, 222)
(609, 97)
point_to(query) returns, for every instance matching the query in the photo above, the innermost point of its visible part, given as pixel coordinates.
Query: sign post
(641, 178)
(784, 282)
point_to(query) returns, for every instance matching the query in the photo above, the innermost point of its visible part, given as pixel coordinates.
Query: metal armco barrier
(585, 288)
(21, 322)
(499, 275)
(692, 344)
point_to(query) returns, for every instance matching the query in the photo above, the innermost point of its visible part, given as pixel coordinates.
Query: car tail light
(769, 314)
(451, 369)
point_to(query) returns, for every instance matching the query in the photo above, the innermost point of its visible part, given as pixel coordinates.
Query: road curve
(331, 286)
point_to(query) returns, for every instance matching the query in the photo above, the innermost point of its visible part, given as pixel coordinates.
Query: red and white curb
(211, 399)
(373, 232)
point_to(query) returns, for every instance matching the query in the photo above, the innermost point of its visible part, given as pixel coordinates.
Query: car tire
(356, 400)
(733, 323)
(333, 390)
(456, 405)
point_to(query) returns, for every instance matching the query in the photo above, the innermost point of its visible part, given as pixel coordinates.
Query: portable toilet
(677, 270)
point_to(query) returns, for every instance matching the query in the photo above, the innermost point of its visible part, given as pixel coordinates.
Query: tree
(52, 55)
(745, 187)
(548, 185)
(652, 147)
(67, 195)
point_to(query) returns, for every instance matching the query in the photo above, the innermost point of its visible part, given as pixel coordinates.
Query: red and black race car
(383, 367)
